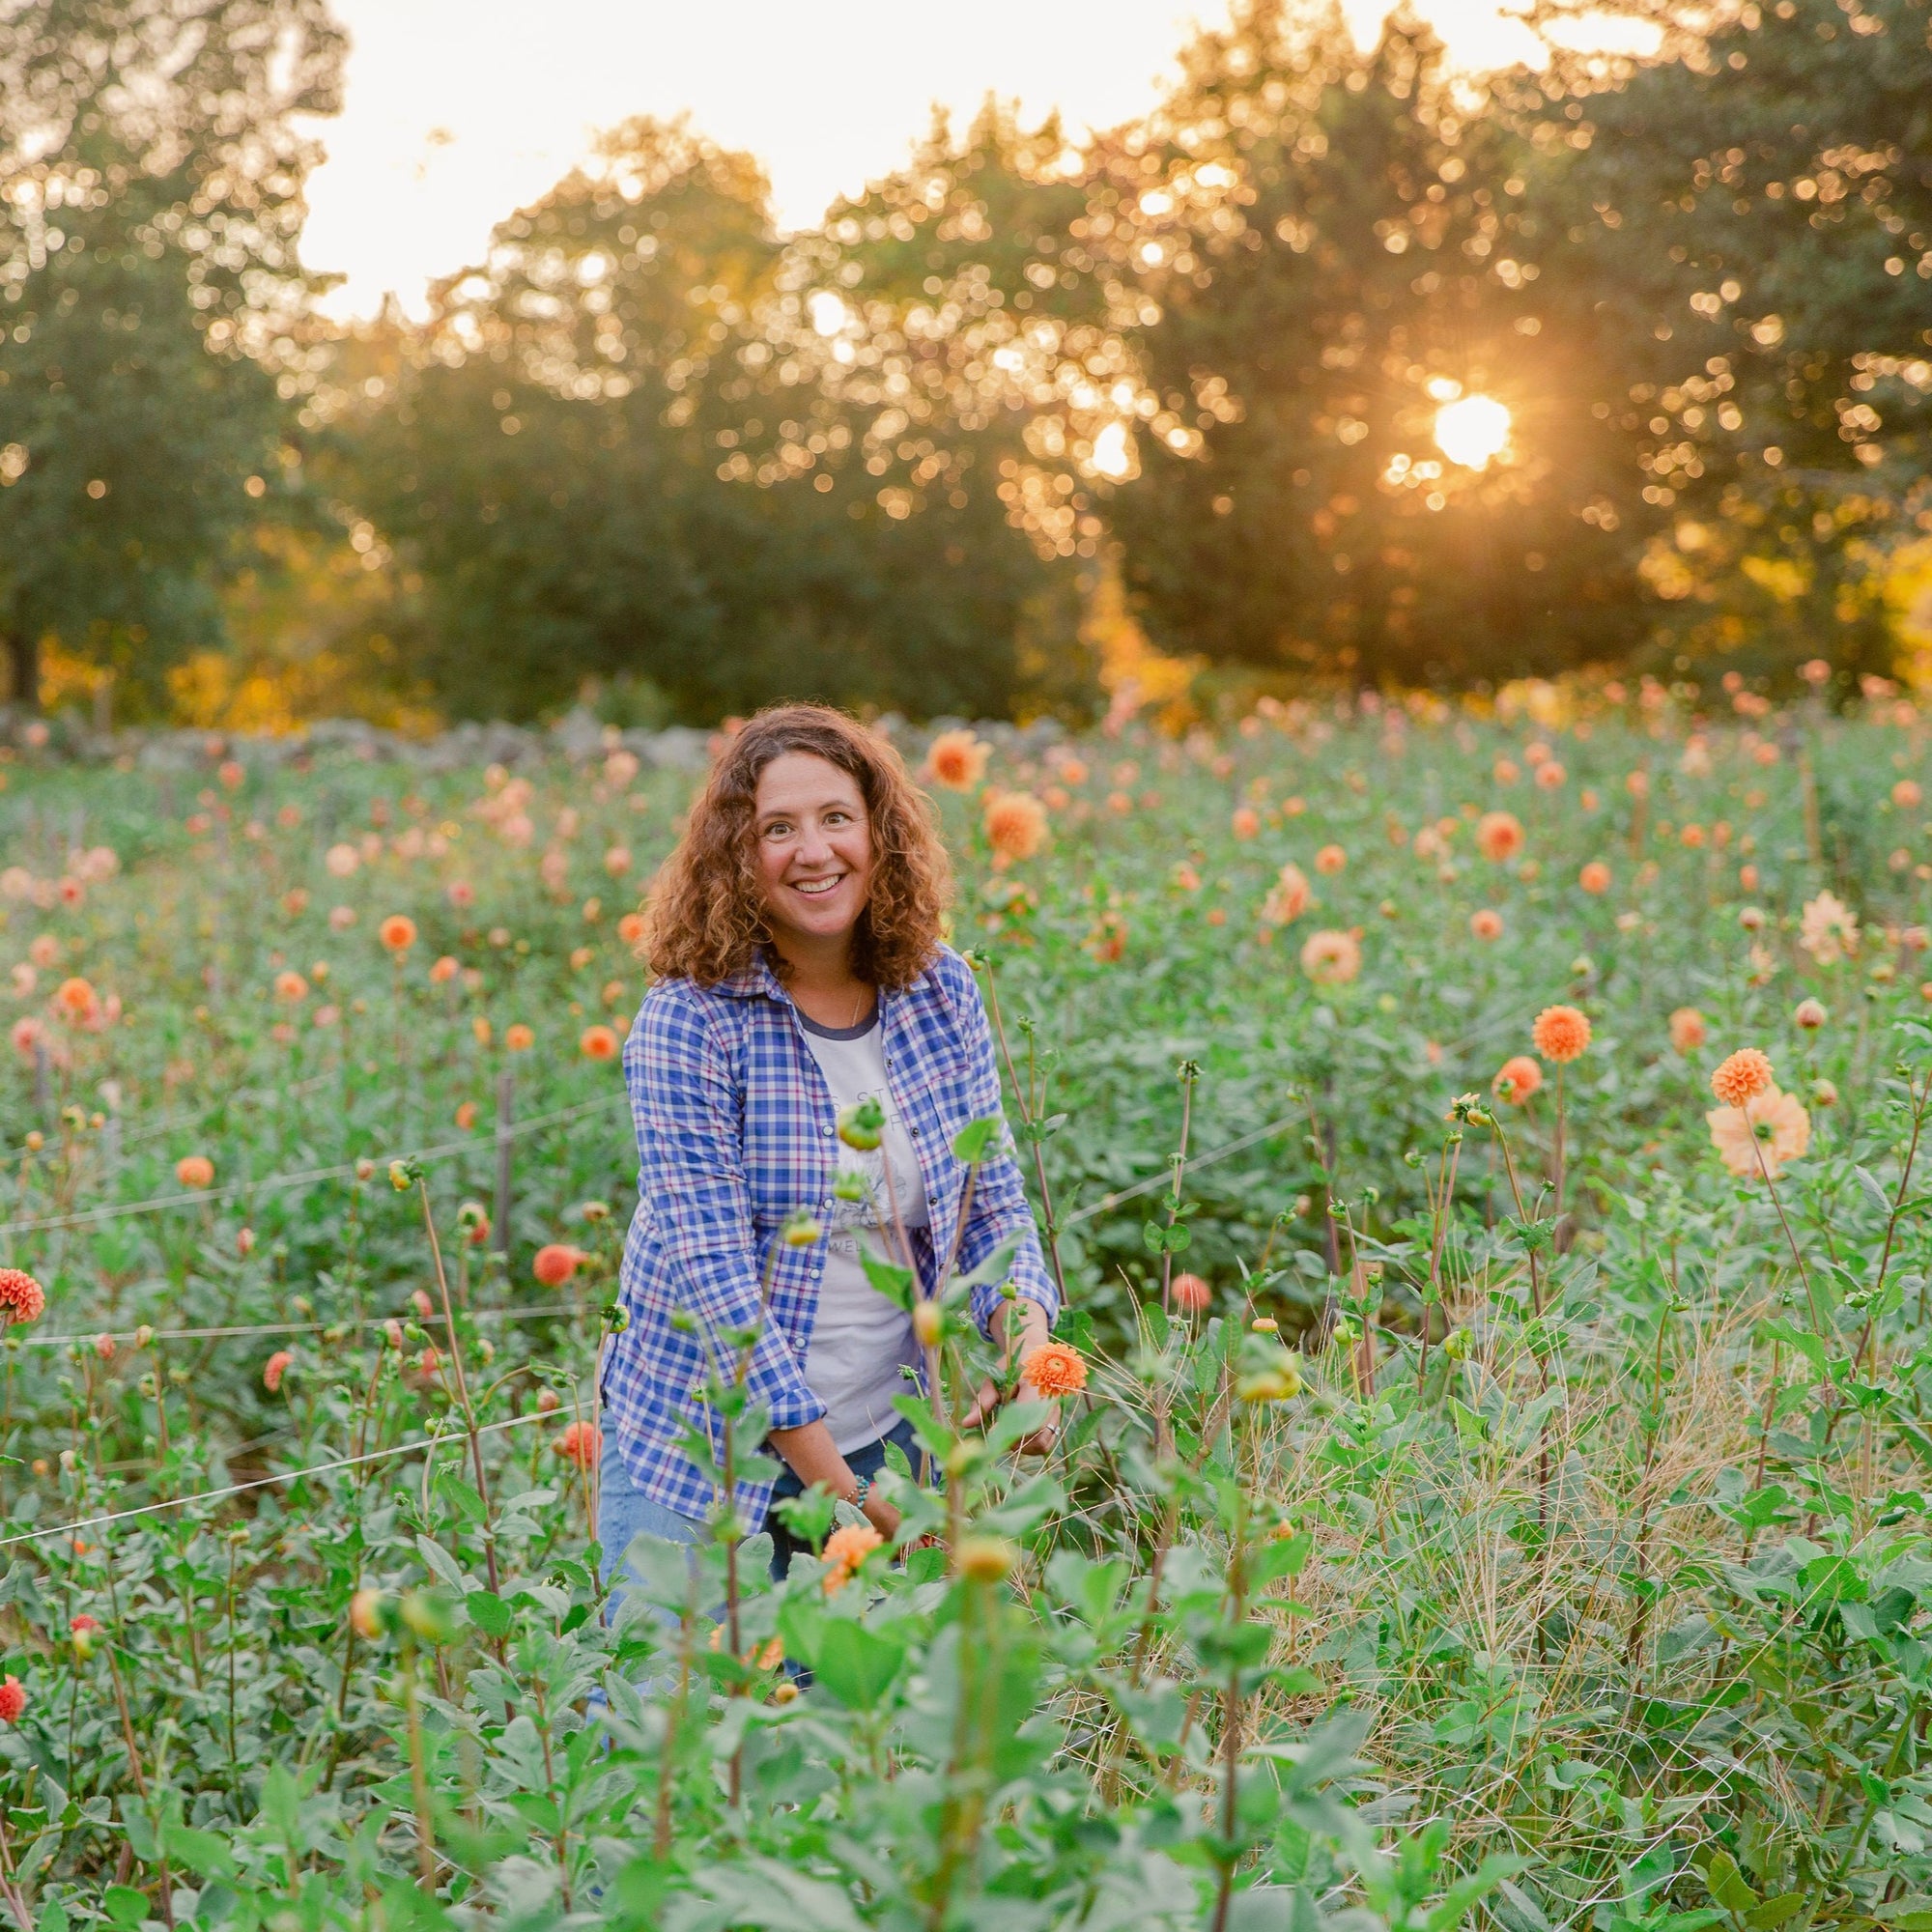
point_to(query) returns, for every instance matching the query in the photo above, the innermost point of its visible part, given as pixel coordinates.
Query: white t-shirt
(859, 1339)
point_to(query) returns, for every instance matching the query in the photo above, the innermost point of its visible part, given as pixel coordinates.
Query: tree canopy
(149, 284)
(648, 443)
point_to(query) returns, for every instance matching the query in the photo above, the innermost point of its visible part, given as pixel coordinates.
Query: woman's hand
(1033, 1332)
(814, 1459)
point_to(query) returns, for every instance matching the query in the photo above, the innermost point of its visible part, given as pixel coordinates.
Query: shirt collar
(753, 981)
(757, 980)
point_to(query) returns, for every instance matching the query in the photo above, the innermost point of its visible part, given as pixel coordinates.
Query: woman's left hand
(988, 1402)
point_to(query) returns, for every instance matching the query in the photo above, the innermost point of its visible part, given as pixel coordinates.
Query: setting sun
(1472, 430)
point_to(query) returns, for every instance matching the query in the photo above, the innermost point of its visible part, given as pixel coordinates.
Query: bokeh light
(1472, 431)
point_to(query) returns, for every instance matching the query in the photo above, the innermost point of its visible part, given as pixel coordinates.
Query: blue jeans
(624, 1511)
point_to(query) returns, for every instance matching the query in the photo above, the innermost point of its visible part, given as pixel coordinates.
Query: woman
(794, 933)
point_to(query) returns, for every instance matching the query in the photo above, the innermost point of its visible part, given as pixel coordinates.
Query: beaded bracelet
(864, 1490)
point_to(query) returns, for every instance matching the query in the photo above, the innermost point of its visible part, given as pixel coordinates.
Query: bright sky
(458, 112)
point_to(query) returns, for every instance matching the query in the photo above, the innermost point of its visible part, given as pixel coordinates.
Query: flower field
(1484, 1159)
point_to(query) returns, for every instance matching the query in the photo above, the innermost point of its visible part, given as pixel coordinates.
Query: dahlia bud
(367, 1611)
(987, 1559)
(1810, 1014)
(929, 1324)
(428, 1614)
(849, 1184)
(801, 1230)
(1456, 1345)
(861, 1126)
(81, 1632)
(1281, 1381)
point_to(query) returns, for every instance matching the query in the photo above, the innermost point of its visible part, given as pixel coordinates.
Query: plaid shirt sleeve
(1001, 1211)
(687, 1108)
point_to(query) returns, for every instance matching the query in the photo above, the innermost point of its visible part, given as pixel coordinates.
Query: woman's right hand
(881, 1515)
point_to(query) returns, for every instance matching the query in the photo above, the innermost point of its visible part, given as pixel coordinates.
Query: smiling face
(812, 843)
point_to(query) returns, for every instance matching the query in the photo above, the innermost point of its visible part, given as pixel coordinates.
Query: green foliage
(148, 267)
(606, 458)
(1749, 229)
(1465, 1556)
(1323, 235)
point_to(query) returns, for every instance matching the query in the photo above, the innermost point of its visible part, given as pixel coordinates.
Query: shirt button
(826, 1132)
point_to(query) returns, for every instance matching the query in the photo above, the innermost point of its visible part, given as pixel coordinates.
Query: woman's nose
(814, 846)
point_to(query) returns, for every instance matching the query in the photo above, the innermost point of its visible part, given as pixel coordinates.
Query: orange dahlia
(1561, 1033)
(1331, 958)
(21, 1297)
(1744, 1075)
(1016, 824)
(844, 1551)
(1516, 1079)
(1191, 1294)
(957, 760)
(1687, 1029)
(556, 1264)
(1498, 836)
(1054, 1368)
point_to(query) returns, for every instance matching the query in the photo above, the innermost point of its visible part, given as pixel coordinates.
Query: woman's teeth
(816, 886)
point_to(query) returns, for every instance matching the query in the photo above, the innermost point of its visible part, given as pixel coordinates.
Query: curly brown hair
(705, 916)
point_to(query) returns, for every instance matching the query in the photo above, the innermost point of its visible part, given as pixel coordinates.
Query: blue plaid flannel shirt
(735, 1132)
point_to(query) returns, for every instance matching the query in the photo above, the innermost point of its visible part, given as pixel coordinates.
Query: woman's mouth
(818, 888)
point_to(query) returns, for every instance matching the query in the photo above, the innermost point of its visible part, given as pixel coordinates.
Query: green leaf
(460, 1495)
(1075, 1327)
(1449, 1910)
(898, 1285)
(994, 1268)
(977, 1140)
(203, 1852)
(1776, 1910)
(856, 1664)
(1282, 1556)
(1727, 1885)
(488, 1614)
(125, 1905)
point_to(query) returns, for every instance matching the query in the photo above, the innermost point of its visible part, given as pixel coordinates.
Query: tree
(151, 202)
(1329, 246)
(1749, 219)
(623, 448)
